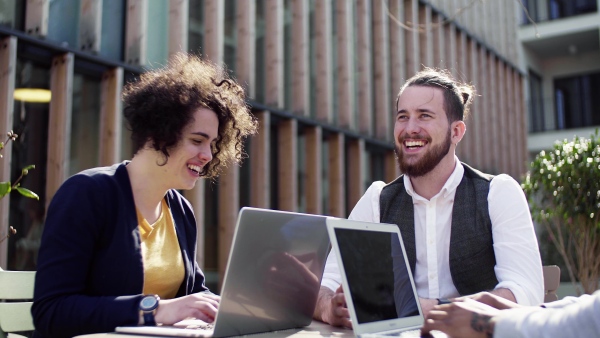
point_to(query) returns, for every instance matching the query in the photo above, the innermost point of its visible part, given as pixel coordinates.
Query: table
(315, 329)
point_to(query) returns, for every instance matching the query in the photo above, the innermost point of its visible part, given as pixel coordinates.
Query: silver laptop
(272, 278)
(378, 284)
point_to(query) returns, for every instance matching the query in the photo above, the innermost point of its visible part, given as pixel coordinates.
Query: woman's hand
(201, 306)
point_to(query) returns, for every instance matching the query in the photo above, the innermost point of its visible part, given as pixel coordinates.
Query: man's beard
(429, 160)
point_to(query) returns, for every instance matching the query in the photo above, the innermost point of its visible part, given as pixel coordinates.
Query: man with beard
(464, 231)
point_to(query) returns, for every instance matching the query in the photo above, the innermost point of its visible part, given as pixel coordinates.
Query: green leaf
(4, 188)
(27, 193)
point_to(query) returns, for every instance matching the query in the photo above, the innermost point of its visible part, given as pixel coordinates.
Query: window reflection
(30, 122)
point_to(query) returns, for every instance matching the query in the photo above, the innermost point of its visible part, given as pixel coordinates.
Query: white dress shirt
(568, 317)
(518, 263)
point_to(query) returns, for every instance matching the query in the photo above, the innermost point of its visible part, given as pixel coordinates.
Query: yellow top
(161, 254)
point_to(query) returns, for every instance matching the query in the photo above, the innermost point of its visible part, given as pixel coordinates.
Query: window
(536, 104)
(85, 124)
(30, 122)
(577, 101)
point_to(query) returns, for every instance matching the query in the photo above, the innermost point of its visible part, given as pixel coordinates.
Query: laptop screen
(377, 275)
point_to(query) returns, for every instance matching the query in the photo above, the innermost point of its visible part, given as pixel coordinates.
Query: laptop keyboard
(204, 326)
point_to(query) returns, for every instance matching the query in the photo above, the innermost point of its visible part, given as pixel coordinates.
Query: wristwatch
(148, 306)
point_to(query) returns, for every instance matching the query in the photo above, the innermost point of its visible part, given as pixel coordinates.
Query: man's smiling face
(422, 132)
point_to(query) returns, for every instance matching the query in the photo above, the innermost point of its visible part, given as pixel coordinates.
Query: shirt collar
(448, 188)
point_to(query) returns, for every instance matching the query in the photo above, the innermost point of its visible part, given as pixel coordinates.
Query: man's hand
(331, 307)
(201, 306)
(427, 304)
(492, 300)
(467, 318)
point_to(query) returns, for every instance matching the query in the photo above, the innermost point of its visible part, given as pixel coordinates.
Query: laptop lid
(272, 278)
(378, 284)
(273, 273)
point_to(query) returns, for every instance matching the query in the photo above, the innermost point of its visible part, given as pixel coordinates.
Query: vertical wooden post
(381, 57)
(59, 128)
(364, 69)
(8, 65)
(337, 176)
(90, 25)
(214, 33)
(136, 41)
(346, 89)
(245, 62)
(179, 17)
(323, 51)
(288, 165)
(274, 84)
(314, 170)
(300, 58)
(260, 162)
(356, 172)
(110, 117)
(36, 17)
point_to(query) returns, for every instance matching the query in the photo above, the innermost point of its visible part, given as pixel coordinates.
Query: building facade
(322, 77)
(561, 54)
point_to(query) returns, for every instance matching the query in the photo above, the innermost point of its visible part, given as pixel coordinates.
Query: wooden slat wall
(345, 64)
(381, 78)
(364, 70)
(314, 195)
(337, 177)
(111, 117)
(59, 129)
(179, 18)
(136, 41)
(323, 55)
(287, 174)
(260, 167)
(90, 25)
(274, 85)
(300, 58)
(8, 64)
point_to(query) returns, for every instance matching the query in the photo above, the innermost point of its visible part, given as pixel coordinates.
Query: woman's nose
(205, 155)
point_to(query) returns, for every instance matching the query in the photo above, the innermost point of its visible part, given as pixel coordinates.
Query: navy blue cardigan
(90, 274)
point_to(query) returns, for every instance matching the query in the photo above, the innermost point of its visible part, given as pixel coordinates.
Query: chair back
(17, 288)
(551, 282)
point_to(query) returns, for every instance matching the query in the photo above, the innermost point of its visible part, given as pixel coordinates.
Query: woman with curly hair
(119, 242)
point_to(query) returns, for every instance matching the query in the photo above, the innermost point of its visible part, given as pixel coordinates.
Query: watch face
(148, 303)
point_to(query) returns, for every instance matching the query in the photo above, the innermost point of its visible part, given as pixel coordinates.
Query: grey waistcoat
(472, 257)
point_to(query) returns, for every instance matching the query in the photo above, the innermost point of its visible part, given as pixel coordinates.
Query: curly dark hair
(162, 102)
(457, 96)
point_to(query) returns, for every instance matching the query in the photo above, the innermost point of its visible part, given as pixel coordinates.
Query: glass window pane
(85, 124)
(113, 29)
(158, 30)
(30, 122)
(196, 26)
(11, 13)
(63, 22)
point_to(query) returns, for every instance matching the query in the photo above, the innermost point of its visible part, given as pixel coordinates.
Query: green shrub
(563, 190)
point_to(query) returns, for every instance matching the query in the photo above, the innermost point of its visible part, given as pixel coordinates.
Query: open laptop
(272, 277)
(378, 284)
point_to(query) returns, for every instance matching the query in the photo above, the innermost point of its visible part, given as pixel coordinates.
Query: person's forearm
(504, 293)
(323, 303)
(427, 304)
